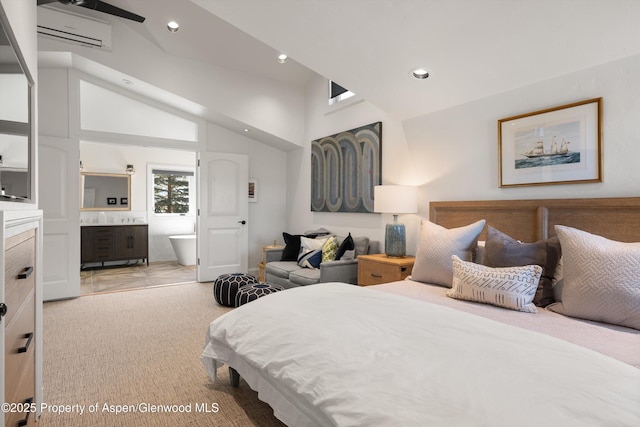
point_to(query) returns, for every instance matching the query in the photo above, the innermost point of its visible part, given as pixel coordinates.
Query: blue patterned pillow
(310, 259)
(310, 255)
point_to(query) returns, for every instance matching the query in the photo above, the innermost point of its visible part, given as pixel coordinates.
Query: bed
(408, 353)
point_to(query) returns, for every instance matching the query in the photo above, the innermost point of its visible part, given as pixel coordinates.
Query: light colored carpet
(140, 347)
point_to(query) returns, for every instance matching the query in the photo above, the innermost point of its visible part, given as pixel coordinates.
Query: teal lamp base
(395, 241)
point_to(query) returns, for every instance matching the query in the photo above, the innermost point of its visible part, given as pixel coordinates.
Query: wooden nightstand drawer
(378, 268)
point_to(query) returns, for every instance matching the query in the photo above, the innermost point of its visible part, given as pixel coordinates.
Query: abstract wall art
(344, 169)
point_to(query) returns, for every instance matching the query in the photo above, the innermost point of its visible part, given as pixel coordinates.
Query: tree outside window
(171, 192)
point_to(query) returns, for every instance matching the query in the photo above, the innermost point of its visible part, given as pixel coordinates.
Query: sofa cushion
(291, 248)
(361, 245)
(305, 276)
(329, 249)
(281, 268)
(346, 244)
(310, 255)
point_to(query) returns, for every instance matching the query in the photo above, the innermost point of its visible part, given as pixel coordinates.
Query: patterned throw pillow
(329, 249)
(508, 287)
(310, 252)
(436, 246)
(601, 278)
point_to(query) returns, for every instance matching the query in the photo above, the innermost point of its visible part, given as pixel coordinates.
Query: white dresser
(21, 324)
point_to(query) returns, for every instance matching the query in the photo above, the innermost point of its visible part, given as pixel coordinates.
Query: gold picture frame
(559, 145)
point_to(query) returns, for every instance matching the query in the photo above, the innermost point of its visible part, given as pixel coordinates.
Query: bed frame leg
(234, 376)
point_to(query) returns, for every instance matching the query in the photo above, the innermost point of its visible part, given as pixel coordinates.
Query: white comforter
(336, 354)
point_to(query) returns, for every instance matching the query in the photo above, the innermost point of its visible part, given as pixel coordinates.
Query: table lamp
(395, 199)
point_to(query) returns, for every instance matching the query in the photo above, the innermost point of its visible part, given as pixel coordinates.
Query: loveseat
(290, 274)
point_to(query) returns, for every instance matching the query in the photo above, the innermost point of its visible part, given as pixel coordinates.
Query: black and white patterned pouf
(254, 291)
(226, 287)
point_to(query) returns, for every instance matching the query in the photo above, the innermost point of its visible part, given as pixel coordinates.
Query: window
(172, 191)
(337, 93)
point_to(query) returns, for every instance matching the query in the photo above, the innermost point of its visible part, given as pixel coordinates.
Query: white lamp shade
(395, 199)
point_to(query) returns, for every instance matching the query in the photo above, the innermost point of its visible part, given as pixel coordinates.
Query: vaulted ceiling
(472, 48)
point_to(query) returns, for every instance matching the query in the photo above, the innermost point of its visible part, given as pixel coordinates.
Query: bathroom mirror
(105, 192)
(15, 119)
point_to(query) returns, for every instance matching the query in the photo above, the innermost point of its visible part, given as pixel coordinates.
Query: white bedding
(337, 354)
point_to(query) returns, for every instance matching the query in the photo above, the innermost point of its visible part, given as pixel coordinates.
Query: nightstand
(379, 268)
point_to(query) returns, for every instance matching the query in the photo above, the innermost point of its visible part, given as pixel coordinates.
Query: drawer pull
(25, 273)
(23, 422)
(377, 276)
(28, 337)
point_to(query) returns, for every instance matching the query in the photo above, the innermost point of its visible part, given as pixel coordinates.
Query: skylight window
(337, 93)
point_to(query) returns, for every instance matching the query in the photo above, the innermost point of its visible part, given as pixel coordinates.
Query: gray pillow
(437, 244)
(601, 278)
(501, 250)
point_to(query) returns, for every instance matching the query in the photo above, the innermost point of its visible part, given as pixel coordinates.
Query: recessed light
(420, 73)
(173, 26)
(246, 129)
(282, 58)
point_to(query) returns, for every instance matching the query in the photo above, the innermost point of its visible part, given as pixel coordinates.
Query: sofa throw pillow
(508, 287)
(291, 248)
(329, 249)
(502, 250)
(436, 246)
(346, 245)
(601, 278)
(310, 252)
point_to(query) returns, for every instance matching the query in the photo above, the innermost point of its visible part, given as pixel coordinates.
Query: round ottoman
(254, 291)
(226, 286)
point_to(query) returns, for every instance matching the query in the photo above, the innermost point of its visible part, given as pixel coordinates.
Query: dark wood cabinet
(114, 243)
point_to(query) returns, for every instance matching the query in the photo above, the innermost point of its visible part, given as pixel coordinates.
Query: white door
(59, 199)
(223, 231)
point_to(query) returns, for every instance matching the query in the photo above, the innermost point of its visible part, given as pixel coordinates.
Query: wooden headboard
(532, 220)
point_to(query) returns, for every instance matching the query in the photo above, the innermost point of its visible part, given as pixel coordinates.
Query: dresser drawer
(19, 348)
(20, 255)
(25, 393)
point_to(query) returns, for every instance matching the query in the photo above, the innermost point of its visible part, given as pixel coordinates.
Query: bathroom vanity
(104, 243)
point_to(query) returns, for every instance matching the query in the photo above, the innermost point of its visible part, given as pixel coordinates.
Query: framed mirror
(16, 85)
(105, 192)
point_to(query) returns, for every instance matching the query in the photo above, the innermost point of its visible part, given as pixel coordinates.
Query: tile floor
(135, 276)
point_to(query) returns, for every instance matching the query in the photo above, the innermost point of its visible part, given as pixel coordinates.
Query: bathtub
(185, 248)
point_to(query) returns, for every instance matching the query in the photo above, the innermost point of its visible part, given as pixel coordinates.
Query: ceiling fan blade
(101, 6)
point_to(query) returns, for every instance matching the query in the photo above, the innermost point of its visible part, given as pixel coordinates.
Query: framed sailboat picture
(559, 145)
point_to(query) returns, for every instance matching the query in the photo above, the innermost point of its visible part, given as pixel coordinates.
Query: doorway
(163, 268)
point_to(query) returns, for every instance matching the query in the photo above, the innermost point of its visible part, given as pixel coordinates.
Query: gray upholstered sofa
(290, 275)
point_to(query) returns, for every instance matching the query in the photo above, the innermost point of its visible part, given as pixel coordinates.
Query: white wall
(322, 120)
(453, 154)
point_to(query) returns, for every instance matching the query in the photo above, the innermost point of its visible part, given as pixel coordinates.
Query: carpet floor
(136, 349)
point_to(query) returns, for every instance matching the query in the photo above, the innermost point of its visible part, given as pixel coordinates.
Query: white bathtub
(185, 248)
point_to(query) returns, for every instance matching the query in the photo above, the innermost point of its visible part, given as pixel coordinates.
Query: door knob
(3, 310)
(243, 222)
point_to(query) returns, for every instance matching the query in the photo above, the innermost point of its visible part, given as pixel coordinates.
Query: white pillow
(436, 246)
(601, 278)
(308, 244)
(508, 287)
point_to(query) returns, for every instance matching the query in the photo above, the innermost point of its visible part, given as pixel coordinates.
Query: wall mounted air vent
(74, 28)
